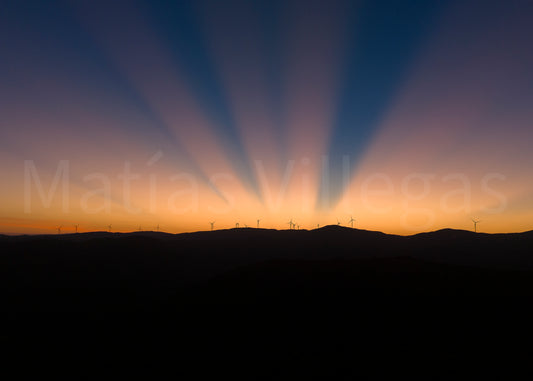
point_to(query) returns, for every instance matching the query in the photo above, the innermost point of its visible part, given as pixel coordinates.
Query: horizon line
(253, 228)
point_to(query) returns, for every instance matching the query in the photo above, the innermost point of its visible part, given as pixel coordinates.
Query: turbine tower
(212, 225)
(352, 220)
(140, 228)
(338, 222)
(290, 224)
(475, 224)
(258, 223)
(109, 228)
(76, 227)
(157, 228)
(59, 229)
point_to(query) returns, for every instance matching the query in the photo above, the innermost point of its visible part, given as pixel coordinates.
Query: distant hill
(120, 268)
(251, 245)
(275, 301)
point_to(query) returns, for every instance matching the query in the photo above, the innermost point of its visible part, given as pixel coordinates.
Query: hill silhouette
(275, 304)
(158, 265)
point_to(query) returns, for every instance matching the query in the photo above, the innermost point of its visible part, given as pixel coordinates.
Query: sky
(398, 116)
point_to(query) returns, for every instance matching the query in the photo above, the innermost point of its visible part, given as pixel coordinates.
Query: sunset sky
(409, 116)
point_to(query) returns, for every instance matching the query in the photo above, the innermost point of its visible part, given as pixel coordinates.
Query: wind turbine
(59, 229)
(258, 223)
(352, 220)
(76, 227)
(212, 225)
(290, 224)
(109, 228)
(157, 228)
(338, 222)
(140, 228)
(475, 224)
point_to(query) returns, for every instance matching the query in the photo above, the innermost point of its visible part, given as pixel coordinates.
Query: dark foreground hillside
(95, 271)
(273, 304)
